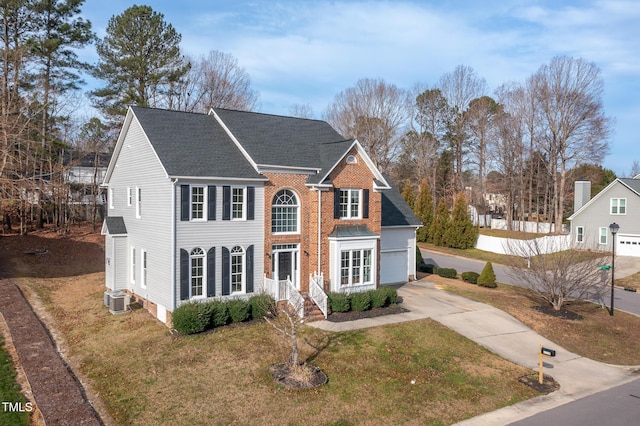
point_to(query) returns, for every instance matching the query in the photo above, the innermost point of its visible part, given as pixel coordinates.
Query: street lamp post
(614, 230)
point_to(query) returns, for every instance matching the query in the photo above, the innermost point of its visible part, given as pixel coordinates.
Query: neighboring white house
(214, 205)
(618, 203)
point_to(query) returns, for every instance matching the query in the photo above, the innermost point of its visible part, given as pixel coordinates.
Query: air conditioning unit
(118, 303)
(107, 296)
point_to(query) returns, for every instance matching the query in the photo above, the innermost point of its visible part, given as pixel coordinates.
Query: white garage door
(628, 245)
(393, 267)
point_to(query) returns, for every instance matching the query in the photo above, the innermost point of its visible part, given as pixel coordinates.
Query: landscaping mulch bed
(548, 383)
(372, 313)
(284, 375)
(563, 313)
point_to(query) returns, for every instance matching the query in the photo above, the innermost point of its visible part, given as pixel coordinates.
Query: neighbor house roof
(395, 210)
(193, 145)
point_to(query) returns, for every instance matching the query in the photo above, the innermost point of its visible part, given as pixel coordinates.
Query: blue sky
(305, 52)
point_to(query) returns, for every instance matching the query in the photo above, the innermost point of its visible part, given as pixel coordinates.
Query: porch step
(311, 310)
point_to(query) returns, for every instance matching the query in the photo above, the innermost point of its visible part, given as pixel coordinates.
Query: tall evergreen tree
(424, 210)
(440, 223)
(139, 60)
(461, 233)
(408, 194)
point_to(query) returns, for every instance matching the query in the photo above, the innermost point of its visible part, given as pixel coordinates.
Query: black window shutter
(184, 202)
(211, 272)
(211, 203)
(365, 203)
(226, 275)
(336, 203)
(251, 202)
(226, 203)
(249, 277)
(184, 274)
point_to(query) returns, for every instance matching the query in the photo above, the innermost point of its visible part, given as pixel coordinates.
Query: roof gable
(632, 184)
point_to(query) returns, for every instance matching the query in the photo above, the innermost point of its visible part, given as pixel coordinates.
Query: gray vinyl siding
(222, 233)
(138, 166)
(598, 214)
(120, 262)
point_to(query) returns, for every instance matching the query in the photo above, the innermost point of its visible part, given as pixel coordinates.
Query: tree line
(525, 141)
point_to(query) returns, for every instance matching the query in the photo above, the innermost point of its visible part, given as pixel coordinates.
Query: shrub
(392, 294)
(428, 268)
(447, 272)
(239, 310)
(470, 277)
(219, 314)
(487, 277)
(190, 318)
(379, 298)
(339, 302)
(261, 305)
(361, 301)
(419, 259)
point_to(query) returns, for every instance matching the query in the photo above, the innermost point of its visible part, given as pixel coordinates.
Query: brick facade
(353, 176)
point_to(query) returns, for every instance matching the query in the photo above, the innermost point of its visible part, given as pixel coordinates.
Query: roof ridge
(269, 114)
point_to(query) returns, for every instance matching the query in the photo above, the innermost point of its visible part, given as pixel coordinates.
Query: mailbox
(547, 351)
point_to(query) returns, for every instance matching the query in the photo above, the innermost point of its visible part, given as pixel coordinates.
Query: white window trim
(132, 268)
(617, 206)
(580, 235)
(244, 204)
(110, 197)
(243, 275)
(143, 268)
(204, 273)
(361, 268)
(138, 202)
(204, 203)
(349, 190)
(601, 234)
(129, 196)
(298, 209)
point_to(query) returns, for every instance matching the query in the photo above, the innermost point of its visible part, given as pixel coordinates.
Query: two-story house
(618, 202)
(210, 205)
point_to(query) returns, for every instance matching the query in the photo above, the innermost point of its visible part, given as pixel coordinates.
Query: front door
(285, 263)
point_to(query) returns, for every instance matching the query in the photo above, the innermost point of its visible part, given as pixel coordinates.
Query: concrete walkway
(504, 335)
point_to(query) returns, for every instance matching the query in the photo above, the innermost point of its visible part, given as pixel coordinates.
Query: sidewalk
(505, 336)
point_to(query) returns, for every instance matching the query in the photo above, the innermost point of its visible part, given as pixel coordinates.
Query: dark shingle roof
(395, 210)
(190, 144)
(284, 141)
(115, 225)
(634, 184)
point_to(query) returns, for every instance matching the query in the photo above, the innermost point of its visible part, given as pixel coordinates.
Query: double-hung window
(237, 269)
(580, 234)
(197, 202)
(618, 206)
(132, 276)
(143, 268)
(138, 202)
(356, 267)
(238, 203)
(603, 235)
(350, 204)
(284, 212)
(197, 272)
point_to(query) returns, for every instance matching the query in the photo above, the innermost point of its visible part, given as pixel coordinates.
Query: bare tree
(574, 128)
(372, 111)
(301, 111)
(460, 87)
(556, 273)
(635, 169)
(213, 81)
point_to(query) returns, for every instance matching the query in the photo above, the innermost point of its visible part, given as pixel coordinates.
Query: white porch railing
(316, 291)
(284, 290)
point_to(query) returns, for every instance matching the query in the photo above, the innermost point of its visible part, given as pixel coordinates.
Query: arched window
(237, 269)
(197, 272)
(284, 212)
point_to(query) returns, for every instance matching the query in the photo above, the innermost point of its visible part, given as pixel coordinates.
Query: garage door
(628, 245)
(393, 267)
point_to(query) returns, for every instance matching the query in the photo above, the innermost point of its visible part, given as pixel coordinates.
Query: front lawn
(10, 392)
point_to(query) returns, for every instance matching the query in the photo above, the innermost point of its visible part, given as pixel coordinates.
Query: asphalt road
(619, 406)
(623, 300)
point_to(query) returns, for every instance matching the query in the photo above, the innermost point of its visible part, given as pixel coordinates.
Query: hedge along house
(222, 204)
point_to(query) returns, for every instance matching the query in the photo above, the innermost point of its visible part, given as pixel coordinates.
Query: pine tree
(408, 194)
(424, 210)
(487, 277)
(461, 233)
(440, 223)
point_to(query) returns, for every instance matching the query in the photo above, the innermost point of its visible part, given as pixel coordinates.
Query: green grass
(10, 391)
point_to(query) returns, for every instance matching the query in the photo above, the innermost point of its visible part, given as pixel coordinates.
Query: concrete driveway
(504, 335)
